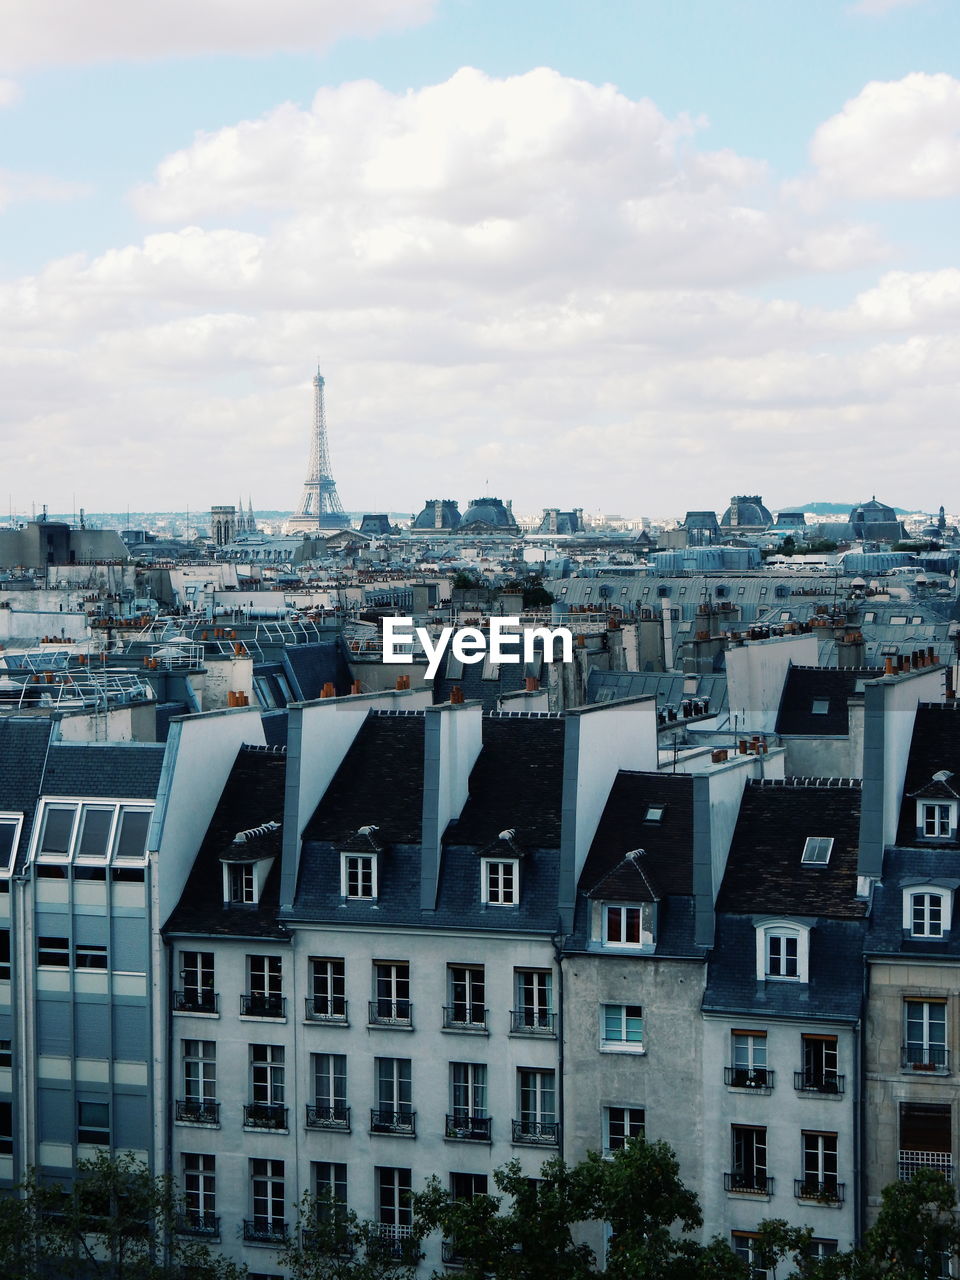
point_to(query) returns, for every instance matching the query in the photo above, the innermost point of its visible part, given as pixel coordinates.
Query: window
(819, 1181)
(10, 825)
(242, 884)
(267, 1070)
(537, 1098)
(96, 824)
(6, 1128)
(53, 952)
(466, 1009)
(391, 982)
(132, 834)
(820, 1060)
(93, 833)
(196, 973)
(782, 951)
(327, 983)
(265, 996)
(4, 955)
(936, 820)
(93, 1122)
(654, 813)
(199, 1071)
(56, 831)
(816, 850)
(749, 1171)
(622, 925)
(89, 956)
(6, 1053)
(748, 1055)
(330, 1187)
(358, 875)
(925, 1041)
(927, 912)
(620, 1124)
(330, 1088)
(534, 1011)
(819, 706)
(393, 1112)
(500, 882)
(747, 1247)
(621, 1026)
(199, 1193)
(468, 1097)
(926, 1139)
(267, 1197)
(817, 1250)
(394, 1207)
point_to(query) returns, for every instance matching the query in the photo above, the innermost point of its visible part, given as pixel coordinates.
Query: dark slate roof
(252, 796)
(764, 872)
(805, 685)
(125, 770)
(275, 727)
(505, 677)
(23, 748)
(665, 865)
(935, 746)
(903, 867)
(311, 666)
(835, 981)
(669, 687)
(379, 783)
(516, 783)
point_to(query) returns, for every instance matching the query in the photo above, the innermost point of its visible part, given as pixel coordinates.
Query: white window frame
(80, 806)
(16, 821)
(632, 1120)
(199, 1184)
(622, 1043)
(928, 1047)
(268, 1191)
(816, 851)
(783, 930)
(927, 900)
(199, 1070)
(622, 911)
(941, 815)
(499, 882)
(347, 872)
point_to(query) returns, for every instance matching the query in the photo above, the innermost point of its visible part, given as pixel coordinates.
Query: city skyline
(626, 260)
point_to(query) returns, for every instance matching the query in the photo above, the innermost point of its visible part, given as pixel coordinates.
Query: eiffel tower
(320, 506)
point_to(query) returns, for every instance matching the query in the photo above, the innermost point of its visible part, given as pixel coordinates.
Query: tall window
(394, 1097)
(468, 1089)
(820, 1062)
(392, 989)
(330, 1185)
(394, 1208)
(358, 875)
(749, 1060)
(196, 974)
(199, 1070)
(265, 995)
(200, 1192)
(620, 1124)
(467, 996)
(621, 1026)
(330, 1086)
(327, 984)
(749, 1171)
(925, 1045)
(782, 955)
(267, 1074)
(534, 1010)
(746, 1245)
(926, 1139)
(538, 1104)
(267, 1194)
(242, 884)
(927, 915)
(819, 1166)
(500, 881)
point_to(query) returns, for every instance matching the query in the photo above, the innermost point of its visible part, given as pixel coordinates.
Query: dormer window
(247, 864)
(242, 884)
(927, 909)
(628, 926)
(936, 820)
(500, 882)
(937, 804)
(358, 876)
(782, 951)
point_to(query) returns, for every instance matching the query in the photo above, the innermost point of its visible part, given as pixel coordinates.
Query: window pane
(132, 837)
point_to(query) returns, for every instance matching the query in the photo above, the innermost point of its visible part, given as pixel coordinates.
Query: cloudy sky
(630, 255)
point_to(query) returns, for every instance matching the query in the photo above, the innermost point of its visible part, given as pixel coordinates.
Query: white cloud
(51, 32)
(10, 93)
(896, 139)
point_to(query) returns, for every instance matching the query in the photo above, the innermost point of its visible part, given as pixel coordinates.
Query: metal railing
(399, 1242)
(198, 1224)
(264, 1231)
(335, 1117)
(925, 1057)
(196, 1000)
(748, 1183)
(198, 1112)
(533, 1022)
(818, 1082)
(467, 1128)
(911, 1161)
(829, 1191)
(760, 1079)
(325, 1009)
(264, 1115)
(387, 1121)
(539, 1133)
(391, 1013)
(263, 1004)
(464, 1017)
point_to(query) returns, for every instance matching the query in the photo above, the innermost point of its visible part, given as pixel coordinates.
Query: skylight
(820, 707)
(816, 850)
(654, 813)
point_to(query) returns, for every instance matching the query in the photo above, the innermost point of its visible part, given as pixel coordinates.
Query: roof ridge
(823, 784)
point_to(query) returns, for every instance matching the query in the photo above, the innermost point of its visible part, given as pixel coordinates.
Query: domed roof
(449, 515)
(489, 511)
(873, 512)
(746, 510)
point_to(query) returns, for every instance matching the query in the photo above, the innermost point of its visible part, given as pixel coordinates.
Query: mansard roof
(23, 749)
(121, 770)
(903, 868)
(634, 859)
(764, 872)
(806, 686)
(934, 748)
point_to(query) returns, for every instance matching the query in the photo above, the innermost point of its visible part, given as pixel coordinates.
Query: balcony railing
(818, 1082)
(263, 1004)
(399, 1242)
(828, 1191)
(925, 1057)
(748, 1183)
(468, 1128)
(197, 1112)
(911, 1161)
(391, 1013)
(385, 1121)
(451, 1254)
(533, 1022)
(464, 1017)
(538, 1133)
(198, 1224)
(760, 1079)
(264, 1115)
(335, 1117)
(264, 1231)
(325, 1009)
(196, 1000)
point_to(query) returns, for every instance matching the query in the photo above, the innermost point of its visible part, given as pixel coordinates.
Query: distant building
(442, 515)
(556, 521)
(377, 525)
(747, 514)
(701, 528)
(489, 515)
(223, 524)
(47, 542)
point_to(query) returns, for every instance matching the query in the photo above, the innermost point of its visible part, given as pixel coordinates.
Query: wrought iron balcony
(190, 1223)
(325, 1009)
(759, 1079)
(818, 1082)
(264, 1231)
(196, 1000)
(196, 1112)
(538, 1133)
(748, 1182)
(464, 1017)
(468, 1128)
(264, 1115)
(910, 1161)
(391, 1013)
(335, 1117)
(533, 1022)
(399, 1242)
(925, 1057)
(263, 1004)
(828, 1191)
(403, 1121)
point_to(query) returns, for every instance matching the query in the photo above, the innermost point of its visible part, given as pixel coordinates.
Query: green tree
(332, 1243)
(915, 1230)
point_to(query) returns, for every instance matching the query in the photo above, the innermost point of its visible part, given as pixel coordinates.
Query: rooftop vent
(252, 832)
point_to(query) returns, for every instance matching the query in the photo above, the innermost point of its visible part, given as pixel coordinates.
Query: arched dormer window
(927, 909)
(783, 951)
